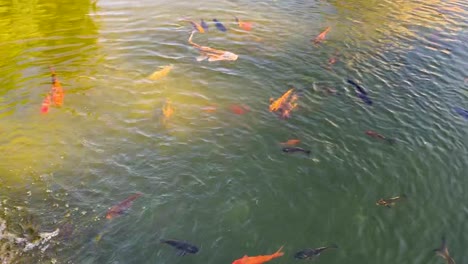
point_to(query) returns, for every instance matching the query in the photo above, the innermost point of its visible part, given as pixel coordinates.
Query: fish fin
(333, 246)
(308, 152)
(278, 252)
(202, 58)
(181, 253)
(388, 206)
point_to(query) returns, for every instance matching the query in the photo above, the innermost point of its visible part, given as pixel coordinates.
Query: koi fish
(291, 142)
(219, 25)
(461, 112)
(379, 136)
(182, 246)
(285, 104)
(244, 25)
(312, 253)
(57, 90)
(212, 54)
(239, 109)
(259, 259)
(164, 71)
(321, 36)
(390, 201)
(167, 110)
(121, 207)
(204, 25)
(296, 149)
(46, 104)
(196, 26)
(443, 252)
(358, 87)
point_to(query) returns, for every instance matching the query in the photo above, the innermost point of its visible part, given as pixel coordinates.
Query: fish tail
(333, 246)
(279, 253)
(404, 196)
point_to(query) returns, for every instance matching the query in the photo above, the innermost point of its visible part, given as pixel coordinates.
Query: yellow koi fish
(161, 73)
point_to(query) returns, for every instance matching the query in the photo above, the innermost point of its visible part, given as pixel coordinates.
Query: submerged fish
(239, 109)
(121, 207)
(296, 149)
(311, 253)
(321, 36)
(204, 25)
(212, 54)
(443, 252)
(358, 87)
(461, 112)
(390, 201)
(244, 25)
(182, 246)
(164, 71)
(291, 142)
(259, 259)
(379, 136)
(365, 98)
(46, 104)
(57, 90)
(219, 25)
(167, 110)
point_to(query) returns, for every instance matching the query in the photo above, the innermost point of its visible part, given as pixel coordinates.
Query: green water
(217, 179)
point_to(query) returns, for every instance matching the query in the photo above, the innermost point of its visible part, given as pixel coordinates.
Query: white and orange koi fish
(212, 54)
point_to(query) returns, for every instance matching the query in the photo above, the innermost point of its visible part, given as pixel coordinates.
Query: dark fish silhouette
(443, 252)
(461, 112)
(296, 149)
(379, 136)
(390, 201)
(360, 89)
(219, 25)
(311, 253)
(365, 98)
(204, 25)
(182, 246)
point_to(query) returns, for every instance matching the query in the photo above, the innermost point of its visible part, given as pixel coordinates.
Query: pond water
(213, 171)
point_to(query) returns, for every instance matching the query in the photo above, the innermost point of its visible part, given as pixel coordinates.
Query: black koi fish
(182, 246)
(219, 25)
(360, 89)
(296, 149)
(311, 253)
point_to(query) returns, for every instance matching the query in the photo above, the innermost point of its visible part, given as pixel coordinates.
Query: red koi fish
(46, 104)
(239, 109)
(259, 259)
(121, 207)
(57, 90)
(291, 142)
(247, 26)
(321, 36)
(379, 136)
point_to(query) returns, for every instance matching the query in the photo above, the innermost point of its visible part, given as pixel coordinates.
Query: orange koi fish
(285, 104)
(291, 142)
(212, 54)
(244, 25)
(121, 207)
(57, 90)
(46, 104)
(239, 109)
(259, 259)
(167, 110)
(321, 36)
(196, 26)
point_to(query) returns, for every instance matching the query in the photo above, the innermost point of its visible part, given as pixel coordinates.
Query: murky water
(216, 178)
